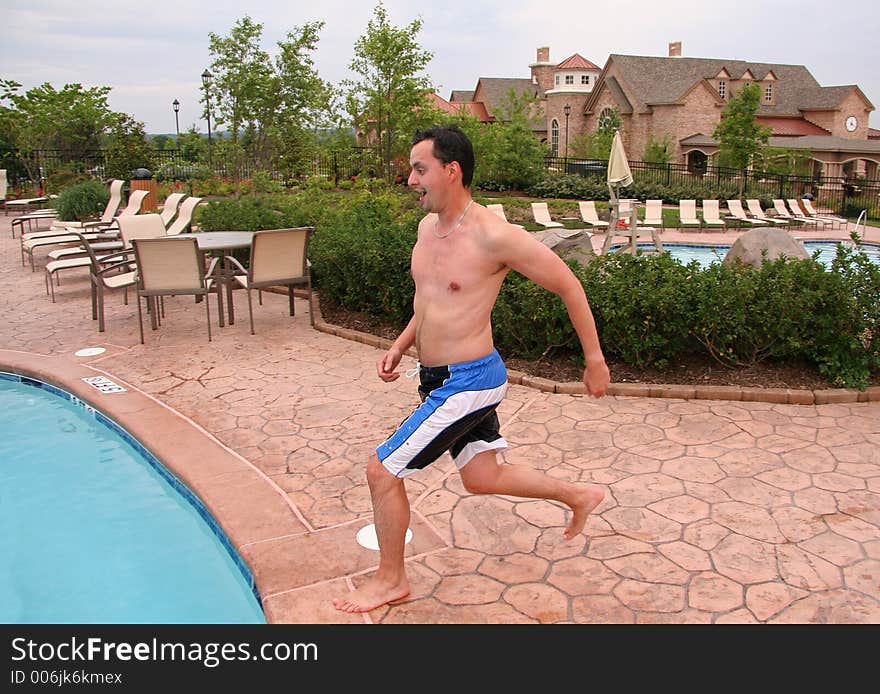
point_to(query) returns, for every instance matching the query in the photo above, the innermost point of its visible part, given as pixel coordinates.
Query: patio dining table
(219, 242)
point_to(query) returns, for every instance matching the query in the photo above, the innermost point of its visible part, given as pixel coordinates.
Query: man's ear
(454, 167)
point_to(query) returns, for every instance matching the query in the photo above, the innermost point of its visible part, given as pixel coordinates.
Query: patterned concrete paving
(716, 511)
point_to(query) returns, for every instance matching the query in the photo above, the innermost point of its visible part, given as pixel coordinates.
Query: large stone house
(683, 98)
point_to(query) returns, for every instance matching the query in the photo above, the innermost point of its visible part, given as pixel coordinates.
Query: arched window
(554, 137)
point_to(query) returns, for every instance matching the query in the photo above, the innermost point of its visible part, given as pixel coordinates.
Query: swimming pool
(96, 530)
(707, 254)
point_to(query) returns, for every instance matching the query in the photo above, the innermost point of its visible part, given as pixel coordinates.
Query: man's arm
(388, 363)
(520, 251)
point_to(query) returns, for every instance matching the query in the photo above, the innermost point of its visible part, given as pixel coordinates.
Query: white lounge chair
(712, 214)
(798, 212)
(541, 213)
(653, 214)
(687, 214)
(735, 207)
(785, 213)
(590, 216)
(755, 210)
(807, 206)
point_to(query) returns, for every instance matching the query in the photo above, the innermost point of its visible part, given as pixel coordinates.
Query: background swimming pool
(93, 533)
(706, 254)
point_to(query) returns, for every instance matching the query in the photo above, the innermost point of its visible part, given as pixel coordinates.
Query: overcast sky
(153, 51)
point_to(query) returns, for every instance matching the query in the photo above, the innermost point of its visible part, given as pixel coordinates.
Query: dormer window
(722, 89)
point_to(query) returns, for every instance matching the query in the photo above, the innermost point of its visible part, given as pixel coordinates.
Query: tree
(739, 135)
(597, 145)
(658, 151)
(70, 121)
(266, 105)
(514, 157)
(391, 99)
(127, 148)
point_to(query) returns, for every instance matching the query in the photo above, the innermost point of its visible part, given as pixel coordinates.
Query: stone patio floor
(716, 510)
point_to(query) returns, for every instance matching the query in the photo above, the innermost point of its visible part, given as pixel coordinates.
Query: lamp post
(206, 82)
(176, 106)
(567, 110)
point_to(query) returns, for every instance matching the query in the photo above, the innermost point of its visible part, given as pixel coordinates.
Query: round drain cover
(89, 352)
(366, 537)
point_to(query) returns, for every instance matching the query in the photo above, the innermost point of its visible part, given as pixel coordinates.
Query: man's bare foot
(589, 499)
(372, 594)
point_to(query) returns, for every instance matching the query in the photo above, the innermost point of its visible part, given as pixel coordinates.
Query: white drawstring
(414, 371)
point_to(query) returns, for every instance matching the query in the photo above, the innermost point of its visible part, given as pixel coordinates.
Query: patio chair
(142, 226)
(785, 213)
(170, 267)
(807, 206)
(541, 213)
(653, 214)
(23, 204)
(48, 214)
(755, 210)
(712, 214)
(735, 208)
(279, 257)
(687, 214)
(112, 271)
(107, 215)
(498, 209)
(590, 216)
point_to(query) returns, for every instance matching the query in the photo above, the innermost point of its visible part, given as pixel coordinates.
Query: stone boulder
(750, 247)
(569, 243)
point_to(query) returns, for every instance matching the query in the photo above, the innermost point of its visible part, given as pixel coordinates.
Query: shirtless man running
(461, 257)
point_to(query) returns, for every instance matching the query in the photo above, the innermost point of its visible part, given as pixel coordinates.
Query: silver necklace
(457, 224)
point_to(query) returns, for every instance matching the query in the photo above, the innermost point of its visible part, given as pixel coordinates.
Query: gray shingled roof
(496, 89)
(461, 95)
(658, 80)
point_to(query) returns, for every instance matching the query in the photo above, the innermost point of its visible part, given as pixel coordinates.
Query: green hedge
(82, 201)
(648, 309)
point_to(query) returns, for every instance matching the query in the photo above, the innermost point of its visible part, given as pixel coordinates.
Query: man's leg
(391, 516)
(483, 475)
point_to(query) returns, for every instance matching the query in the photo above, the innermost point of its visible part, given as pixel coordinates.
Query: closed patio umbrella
(619, 176)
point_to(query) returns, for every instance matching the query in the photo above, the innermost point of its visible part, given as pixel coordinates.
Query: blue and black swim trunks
(457, 414)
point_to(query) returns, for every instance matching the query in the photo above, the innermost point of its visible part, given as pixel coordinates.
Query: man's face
(429, 176)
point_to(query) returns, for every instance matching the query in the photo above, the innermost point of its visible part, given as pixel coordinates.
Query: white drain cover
(89, 352)
(366, 537)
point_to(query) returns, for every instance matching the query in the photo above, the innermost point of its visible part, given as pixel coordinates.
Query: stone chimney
(542, 71)
(675, 49)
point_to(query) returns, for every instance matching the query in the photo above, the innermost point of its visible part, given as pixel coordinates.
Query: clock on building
(852, 123)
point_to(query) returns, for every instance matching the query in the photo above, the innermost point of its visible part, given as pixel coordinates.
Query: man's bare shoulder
(497, 232)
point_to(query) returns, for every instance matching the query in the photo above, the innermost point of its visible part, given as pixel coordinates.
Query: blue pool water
(95, 530)
(706, 254)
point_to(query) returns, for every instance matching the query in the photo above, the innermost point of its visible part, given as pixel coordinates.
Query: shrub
(82, 201)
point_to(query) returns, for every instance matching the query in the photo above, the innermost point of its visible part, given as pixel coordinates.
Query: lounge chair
(170, 267)
(33, 241)
(107, 215)
(798, 212)
(755, 210)
(807, 206)
(687, 214)
(23, 204)
(498, 209)
(785, 213)
(712, 214)
(590, 216)
(541, 213)
(653, 214)
(279, 257)
(735, 207)
(170, 206)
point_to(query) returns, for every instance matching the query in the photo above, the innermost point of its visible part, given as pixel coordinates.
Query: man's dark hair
(451, 144)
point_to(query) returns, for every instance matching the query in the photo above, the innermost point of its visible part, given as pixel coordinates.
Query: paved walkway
(716, 510)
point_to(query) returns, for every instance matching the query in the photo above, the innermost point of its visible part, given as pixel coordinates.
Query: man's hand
(596, 378)
(386, 366)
